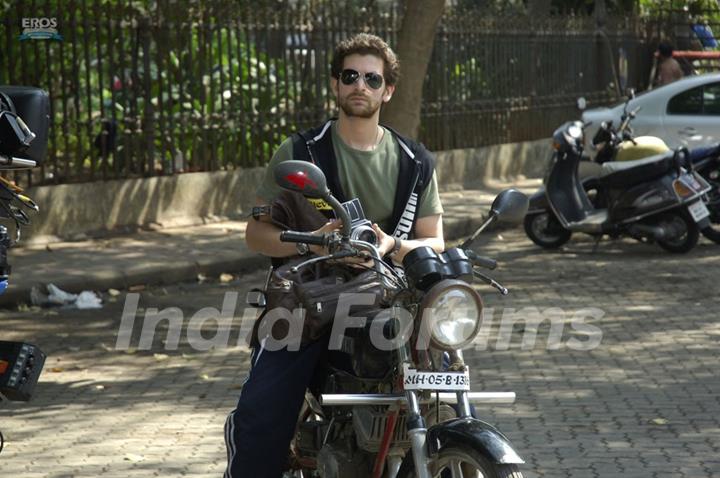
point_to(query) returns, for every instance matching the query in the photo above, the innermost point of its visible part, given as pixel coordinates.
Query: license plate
(444, 381)
(698, 211)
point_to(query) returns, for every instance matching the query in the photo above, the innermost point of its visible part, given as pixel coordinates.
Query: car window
(711, 99)
(686, 103)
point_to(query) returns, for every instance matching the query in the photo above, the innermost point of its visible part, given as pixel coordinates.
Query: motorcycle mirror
(630, 93)
(307, 179)
(581, 103)
(510, 206)
(302, 177)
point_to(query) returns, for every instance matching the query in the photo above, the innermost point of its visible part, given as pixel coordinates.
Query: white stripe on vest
(405, 224)
(324, 130)
(406, 148)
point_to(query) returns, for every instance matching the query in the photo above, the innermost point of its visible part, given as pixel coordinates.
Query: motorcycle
(405, 411)
(653, 199)
(24, 125)
(620, 145)
(21, 147)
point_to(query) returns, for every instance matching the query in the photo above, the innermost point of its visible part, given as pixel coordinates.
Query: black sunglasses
(373, 80)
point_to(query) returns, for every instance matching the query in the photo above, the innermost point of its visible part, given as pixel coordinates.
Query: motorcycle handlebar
(18, 163)
(481, 261)
(305, 237)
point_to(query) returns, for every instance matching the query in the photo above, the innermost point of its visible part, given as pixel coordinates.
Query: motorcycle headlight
(451, 312)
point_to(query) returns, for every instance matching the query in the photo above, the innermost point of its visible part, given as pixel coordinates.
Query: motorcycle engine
(366, 360)
(336, 462)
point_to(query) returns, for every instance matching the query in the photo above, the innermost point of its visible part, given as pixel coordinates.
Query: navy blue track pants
(258, 432)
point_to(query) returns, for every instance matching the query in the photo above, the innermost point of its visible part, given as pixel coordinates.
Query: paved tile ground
(643, 403)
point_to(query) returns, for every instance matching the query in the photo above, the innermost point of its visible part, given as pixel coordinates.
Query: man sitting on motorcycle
(394, 179)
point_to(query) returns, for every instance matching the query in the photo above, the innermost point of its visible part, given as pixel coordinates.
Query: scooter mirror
(631, 93)
(581, 103)
(302, 177)
(510, 206)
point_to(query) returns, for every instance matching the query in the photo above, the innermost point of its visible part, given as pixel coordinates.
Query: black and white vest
(416, 169)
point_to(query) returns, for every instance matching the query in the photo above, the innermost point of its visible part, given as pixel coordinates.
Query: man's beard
(359, 110)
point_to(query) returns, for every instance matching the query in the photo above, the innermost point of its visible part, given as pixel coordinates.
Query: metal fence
(200, 86)
(507, 79)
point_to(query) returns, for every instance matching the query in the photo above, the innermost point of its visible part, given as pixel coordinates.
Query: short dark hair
(367, 44)
(665, 49)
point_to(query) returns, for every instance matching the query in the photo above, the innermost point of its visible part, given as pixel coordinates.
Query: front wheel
(545, 230)
(458, 461)
(686, 233)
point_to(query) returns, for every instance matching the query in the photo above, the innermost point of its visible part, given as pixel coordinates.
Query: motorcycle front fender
(475, 433)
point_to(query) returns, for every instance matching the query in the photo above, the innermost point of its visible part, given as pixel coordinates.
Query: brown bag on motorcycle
(317, 290)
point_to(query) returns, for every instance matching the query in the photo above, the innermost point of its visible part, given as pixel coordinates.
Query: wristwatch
(258, 211)
(302, 248)
(396, 247)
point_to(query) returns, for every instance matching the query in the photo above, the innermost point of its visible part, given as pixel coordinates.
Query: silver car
(683, 113)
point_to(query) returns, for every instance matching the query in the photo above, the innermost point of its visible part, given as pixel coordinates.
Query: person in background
(669, 69)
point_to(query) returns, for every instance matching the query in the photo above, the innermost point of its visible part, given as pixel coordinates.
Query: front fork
(417, 430)
(462, 397)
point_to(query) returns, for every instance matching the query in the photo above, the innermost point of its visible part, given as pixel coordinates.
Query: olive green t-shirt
(370, 176)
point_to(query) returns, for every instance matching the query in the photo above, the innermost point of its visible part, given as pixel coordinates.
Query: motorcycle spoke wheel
(457, 465)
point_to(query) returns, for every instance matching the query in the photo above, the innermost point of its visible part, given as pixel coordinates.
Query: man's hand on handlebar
(385, 241)
(333, 225)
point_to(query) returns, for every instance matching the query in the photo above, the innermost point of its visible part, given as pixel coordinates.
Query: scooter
(653, 199)
(620, 145)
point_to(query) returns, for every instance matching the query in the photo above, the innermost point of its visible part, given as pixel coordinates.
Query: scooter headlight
(575, 132)
(451, 314)
(569, 137)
